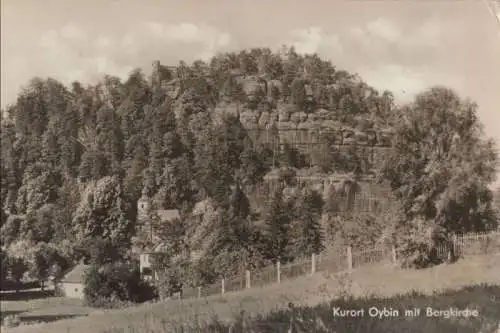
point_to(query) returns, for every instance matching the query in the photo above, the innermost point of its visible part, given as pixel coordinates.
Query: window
(76, 290)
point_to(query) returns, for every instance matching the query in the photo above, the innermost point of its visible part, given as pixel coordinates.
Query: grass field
(375, 281)
(44, 309)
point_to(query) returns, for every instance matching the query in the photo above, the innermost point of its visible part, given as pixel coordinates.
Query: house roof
(161, 247)
(77, 274)
(168, 214)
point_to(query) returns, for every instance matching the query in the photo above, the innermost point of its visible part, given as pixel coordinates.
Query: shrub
(11, 321)
(170, 282)
(112, 284)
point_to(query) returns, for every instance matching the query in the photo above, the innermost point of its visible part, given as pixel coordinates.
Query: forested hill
(58, 135)
(75, 160)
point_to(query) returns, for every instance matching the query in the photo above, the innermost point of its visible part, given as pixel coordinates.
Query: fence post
(199, 292)
(394, 255)
(278, 269)
(455, 246)
(248, 279)
(313, 263)
(223, 287)
(349, 258)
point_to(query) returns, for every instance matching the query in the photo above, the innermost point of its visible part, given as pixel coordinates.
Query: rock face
(225, 109)
(253, 86)
(293, 123)
(273, 120)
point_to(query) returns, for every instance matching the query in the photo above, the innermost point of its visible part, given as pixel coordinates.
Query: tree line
(75, 161)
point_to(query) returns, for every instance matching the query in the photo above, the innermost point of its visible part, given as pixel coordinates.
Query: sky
(404, 46)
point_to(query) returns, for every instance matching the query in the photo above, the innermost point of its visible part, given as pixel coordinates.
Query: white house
(146, 254)
(145, 262)
(156, 246)
(73, 283)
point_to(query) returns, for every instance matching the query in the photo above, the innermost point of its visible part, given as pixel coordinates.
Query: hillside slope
(375, 280)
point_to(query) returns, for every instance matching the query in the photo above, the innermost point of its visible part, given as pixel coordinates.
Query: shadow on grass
(28, 319)
(26, 295)
(485, 299)
(4, 314)
(9, 285)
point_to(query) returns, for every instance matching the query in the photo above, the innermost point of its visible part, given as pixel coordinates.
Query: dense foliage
(440, 139)
(76, 160)
(112, 284)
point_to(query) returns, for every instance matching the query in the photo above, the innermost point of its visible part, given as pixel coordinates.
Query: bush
(11, 321)
(112, 284)
(170, 283)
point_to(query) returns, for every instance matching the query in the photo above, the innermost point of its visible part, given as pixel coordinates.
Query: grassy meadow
(473, 282)
(43, 309)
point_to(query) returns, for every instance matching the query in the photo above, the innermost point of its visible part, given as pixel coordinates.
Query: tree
(9, 166)
(39, 187)
(253, 164)
(45, 259)
(217, 157)
(306, 231)
(65, 207)
(176, 183)
(108, 285)
(135, 164)
(439, 138)
(4, 265)
(11, 230)
(109, 139)
(298, 92)
(496, 200)
(277, 218)
(98, 251)
(40, 225)
(172, 234)
(231, 245)
(103, 212)
(174, 273)
(17, 268)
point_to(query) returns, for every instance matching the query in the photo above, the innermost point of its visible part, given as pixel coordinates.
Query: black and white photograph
(279, 166)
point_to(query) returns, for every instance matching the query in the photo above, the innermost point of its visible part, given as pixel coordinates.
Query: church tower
(155, 74)
(143, 209)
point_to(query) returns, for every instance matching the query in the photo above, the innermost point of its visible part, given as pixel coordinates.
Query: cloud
(314, 40)
(430, 33)
(72, 31)
(383, 29)
(397, 57)
(74, 53)
(103, 42)
(208, 37)
(187, 33)
(385, 54)
(402, 81)
(381, 33)
(308, 40)
(405, 82)
(70, 53)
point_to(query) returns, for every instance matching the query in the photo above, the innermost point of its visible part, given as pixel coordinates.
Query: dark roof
(77, 274)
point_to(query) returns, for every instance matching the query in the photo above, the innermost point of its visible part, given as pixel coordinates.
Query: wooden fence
(463, 245)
